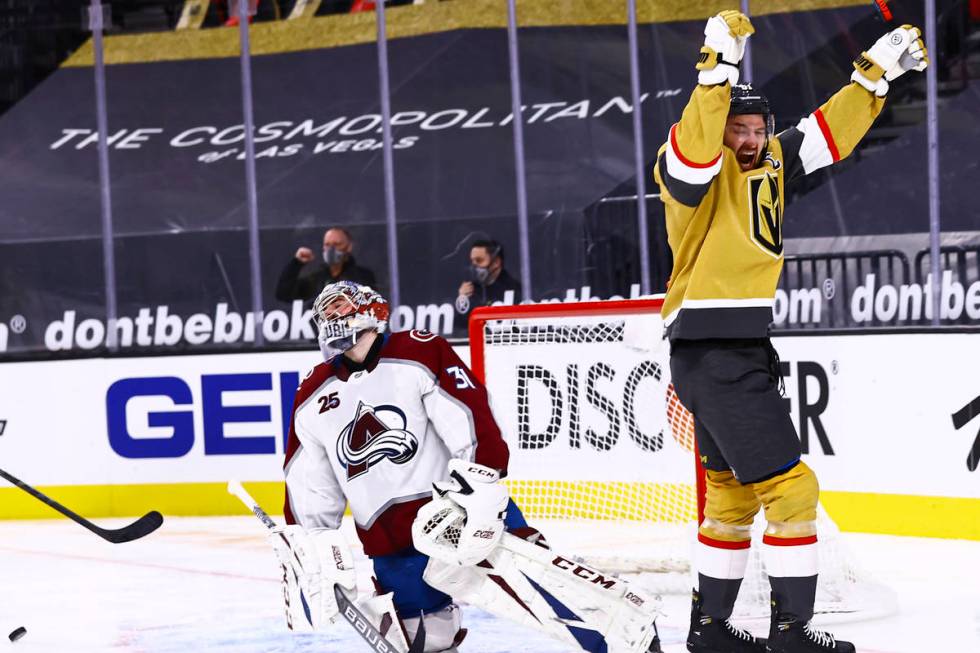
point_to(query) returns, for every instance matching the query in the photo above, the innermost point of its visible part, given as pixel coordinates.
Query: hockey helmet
(343, 311)
(748, 101)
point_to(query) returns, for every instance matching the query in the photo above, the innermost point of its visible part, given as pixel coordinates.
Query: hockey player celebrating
(721, 176)
(395, 426)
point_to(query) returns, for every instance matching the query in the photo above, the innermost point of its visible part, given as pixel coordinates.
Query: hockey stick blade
(371, 635)
(139, 528)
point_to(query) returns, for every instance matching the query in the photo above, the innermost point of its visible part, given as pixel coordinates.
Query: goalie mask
(343, 312)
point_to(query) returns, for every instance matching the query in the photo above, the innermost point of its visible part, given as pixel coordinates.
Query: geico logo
(584, 572)
(484, 535)
(143, 419)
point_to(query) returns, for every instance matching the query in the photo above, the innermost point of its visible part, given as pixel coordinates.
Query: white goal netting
(602, 451)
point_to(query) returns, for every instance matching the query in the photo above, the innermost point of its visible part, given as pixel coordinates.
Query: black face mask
(333, 256)
(479, 274)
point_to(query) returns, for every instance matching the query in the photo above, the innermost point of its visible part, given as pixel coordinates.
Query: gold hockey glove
(725, 36)
(895, 53)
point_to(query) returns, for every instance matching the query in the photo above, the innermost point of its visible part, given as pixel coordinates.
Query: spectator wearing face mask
(306, 274)
(489, 281)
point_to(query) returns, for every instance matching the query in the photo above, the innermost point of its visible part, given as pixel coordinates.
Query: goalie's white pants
(568, 600)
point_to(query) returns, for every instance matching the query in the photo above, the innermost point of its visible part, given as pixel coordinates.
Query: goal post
(603, 454)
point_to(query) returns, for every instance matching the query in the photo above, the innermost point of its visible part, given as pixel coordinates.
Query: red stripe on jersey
(772, 540)
(827, 135)
(438, 356)
(683, 159)
(317, 377)
(392, 530)
(287, 512)
(722, 544)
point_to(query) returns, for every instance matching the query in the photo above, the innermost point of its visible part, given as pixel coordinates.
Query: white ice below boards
(210, 584)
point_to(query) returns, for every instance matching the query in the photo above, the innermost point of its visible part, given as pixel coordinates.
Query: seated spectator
(304, 278)
(489, 281)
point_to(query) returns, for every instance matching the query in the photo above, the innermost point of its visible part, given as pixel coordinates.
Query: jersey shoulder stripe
(417, 346)
(828, 135)
(682, 168)
(313, 381)
(686, 193)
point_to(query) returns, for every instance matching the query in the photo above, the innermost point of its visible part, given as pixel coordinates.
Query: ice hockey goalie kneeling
(395, 426)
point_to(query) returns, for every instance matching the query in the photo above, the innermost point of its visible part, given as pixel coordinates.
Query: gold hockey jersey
(725, 226)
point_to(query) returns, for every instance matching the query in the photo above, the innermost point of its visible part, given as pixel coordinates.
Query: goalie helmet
(343, 311)
(748, 101)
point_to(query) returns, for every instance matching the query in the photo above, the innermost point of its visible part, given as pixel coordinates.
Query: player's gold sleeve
(849, 114)
(831, 132)
(697, 137)
(691, 157)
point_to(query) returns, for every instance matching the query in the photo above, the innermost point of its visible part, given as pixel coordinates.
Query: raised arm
(831, 133)
(691, 157)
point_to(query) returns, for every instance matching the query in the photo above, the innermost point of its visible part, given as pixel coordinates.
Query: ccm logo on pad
(584, 572)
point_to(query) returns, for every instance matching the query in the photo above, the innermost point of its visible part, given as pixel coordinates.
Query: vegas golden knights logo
(767, 213)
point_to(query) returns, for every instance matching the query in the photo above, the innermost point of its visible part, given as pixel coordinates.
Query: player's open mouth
(746, 157)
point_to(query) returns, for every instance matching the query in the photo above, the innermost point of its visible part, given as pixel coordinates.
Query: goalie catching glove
(894, 54)
(725, 36)
(465, 519)
(311, 562)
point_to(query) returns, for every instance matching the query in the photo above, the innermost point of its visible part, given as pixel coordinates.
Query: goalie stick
(371, 635)
(348, 609)
(139, 528)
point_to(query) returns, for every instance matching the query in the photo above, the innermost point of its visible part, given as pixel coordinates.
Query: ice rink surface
(210, 584)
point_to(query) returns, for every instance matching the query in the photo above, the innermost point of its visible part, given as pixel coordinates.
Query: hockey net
(602, 451)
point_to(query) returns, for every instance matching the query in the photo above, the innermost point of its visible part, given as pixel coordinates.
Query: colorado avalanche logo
(368, 440)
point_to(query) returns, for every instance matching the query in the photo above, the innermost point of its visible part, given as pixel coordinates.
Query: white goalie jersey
(377, 438)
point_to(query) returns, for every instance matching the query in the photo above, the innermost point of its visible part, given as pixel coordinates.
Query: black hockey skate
(709, 635)
(787, 634)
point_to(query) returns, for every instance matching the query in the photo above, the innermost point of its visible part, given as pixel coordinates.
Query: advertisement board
(890, 423)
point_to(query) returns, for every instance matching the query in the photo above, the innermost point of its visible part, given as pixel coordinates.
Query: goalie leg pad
(380, 611)
(311, 562)
(442, 629)
(570, 601)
